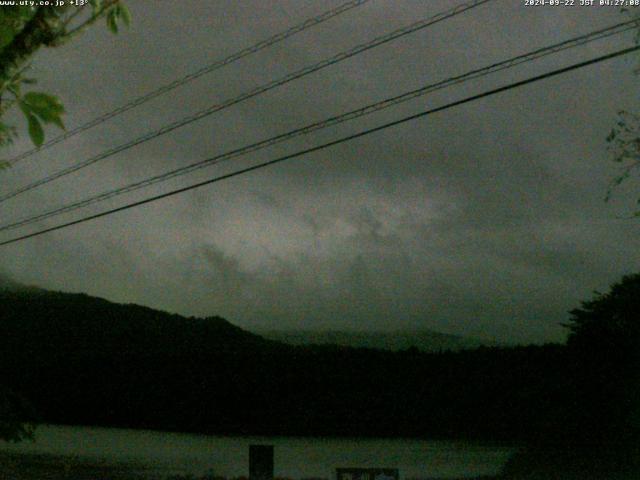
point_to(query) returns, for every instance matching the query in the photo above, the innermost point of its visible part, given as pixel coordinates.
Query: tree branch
(92, 19)
(36, 32)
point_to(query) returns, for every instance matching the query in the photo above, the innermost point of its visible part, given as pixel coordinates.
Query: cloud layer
(485, 220)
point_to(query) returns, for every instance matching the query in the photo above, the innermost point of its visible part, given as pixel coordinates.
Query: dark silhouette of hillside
(54, 324)
(84, 360)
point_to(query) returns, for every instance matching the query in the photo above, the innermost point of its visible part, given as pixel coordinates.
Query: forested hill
(38, 321)
(44, 323)
(84, 360)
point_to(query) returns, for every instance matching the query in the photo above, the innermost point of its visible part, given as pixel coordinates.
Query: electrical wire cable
(323, 146)
(279, 37)
(250, 94)
(351, 115)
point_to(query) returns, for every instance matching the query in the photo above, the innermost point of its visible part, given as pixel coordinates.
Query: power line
(330, 144)
(250, 94)
(366, 110)
(308, 23)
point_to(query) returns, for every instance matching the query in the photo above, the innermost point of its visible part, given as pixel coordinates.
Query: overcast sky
(487, 219)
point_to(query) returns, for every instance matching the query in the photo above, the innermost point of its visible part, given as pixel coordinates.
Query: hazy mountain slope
(424, 340)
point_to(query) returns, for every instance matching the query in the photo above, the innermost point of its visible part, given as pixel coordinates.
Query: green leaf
(58, 123)
(14, 89)
(6, 36)
(7, 134)
(26, 109)
(47, 107)
(124, 13)
(96, 5)
(44, 102)
(112, 23)
(12, 20)
(35, 130)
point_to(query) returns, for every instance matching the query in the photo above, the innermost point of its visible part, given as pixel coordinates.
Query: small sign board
(367, 474)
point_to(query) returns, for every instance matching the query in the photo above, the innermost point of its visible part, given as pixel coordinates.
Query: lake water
(151, 454)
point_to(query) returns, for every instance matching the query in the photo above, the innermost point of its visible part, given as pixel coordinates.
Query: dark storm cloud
(487, 219)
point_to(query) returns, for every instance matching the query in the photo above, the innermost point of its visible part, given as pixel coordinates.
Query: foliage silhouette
(597, 434)
(604, 342)
(624, 138)
(24, 29)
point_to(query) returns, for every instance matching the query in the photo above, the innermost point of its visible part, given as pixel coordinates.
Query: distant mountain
(76, 323)
(7, 283)
(424, 340)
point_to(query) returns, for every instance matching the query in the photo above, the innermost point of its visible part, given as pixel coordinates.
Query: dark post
(260, 462)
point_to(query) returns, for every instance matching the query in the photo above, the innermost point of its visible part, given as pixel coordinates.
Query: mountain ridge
(75, 323)
(426, 340)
